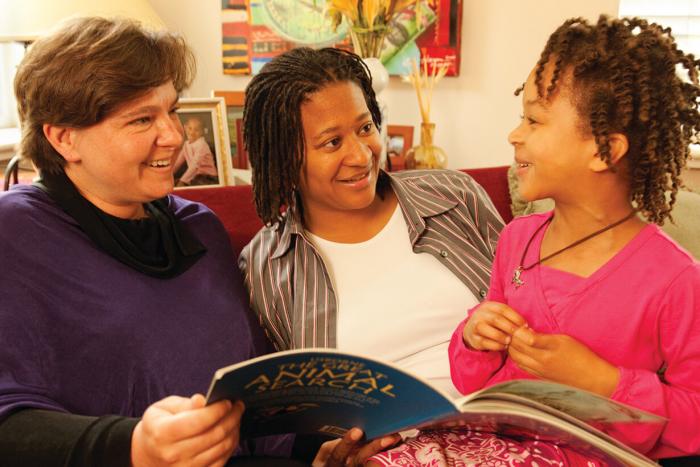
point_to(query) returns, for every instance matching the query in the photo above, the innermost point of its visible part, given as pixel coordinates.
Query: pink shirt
(200, 160)
(639, 311)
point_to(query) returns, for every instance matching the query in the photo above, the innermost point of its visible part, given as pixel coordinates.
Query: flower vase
(426, 155)
(368, 42)
(368, 45)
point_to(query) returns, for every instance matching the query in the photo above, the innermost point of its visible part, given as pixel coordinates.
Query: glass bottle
(426, 155)
(368, 42)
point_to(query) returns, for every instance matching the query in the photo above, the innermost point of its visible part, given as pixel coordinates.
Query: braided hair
(272, 125)
(624, 80)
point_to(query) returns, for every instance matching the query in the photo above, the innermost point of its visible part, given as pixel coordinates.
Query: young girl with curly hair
(592, 294)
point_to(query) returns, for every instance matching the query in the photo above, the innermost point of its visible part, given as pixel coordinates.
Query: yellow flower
(347, 7)
(370, 9)
(369, 15)
(336, 17)
(395, 7)
(401, 5)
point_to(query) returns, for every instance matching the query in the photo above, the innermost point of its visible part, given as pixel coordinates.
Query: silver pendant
(516, 281)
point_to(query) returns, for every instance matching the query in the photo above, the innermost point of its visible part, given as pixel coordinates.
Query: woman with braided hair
(590, 294)
(339, 267)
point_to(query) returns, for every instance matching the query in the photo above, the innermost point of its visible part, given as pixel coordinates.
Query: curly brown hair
(625, 80)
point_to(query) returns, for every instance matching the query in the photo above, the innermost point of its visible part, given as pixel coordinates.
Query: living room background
(473, 113)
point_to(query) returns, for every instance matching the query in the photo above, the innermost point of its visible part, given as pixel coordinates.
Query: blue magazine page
(326, 391)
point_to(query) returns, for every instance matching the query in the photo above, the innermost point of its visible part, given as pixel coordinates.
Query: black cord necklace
(517, 281)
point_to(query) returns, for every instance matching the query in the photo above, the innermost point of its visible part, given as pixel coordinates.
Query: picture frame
(242, 154)
(205, 157)
(399, 141)
(234, 101)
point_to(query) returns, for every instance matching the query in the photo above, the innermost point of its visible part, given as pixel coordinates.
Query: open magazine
(328, 391)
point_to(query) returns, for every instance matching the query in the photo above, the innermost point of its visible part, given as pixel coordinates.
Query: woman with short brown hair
(119, 300)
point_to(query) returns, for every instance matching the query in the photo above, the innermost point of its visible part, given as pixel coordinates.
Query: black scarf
(157, 245)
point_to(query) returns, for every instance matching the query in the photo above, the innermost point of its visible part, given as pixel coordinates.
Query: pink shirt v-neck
(557, 284)
(640, 311)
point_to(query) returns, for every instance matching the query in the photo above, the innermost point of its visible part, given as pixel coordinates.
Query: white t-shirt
(394, 304)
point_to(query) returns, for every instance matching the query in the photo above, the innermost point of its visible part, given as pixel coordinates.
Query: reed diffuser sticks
(426, 155)
(424, 82)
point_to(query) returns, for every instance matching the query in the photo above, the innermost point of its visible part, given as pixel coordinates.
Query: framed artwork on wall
(255, 31)
(399, 141)
(234, 114)
(205, 158)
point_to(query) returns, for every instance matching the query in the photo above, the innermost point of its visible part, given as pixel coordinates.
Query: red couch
(234, 204)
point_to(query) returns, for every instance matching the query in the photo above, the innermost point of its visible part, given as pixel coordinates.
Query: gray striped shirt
(448, 215)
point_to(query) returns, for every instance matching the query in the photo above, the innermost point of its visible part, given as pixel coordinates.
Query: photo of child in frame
(196, 163)
(399, 140)
(395, 145)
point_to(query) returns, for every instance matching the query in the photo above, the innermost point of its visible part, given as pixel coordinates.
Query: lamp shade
(25, 20)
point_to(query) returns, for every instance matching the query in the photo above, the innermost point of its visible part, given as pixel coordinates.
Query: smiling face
(193, 129)
(341, 162)
(126, 159)
(552, 148)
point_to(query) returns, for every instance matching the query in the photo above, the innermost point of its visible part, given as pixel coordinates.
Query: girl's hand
(563, 359)
(491, 326)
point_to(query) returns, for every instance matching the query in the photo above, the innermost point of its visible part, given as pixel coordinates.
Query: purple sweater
(82, 333)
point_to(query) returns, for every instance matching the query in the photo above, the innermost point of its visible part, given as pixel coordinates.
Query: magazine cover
(328, 392)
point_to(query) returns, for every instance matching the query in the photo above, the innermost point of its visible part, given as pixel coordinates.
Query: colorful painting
(255, 31)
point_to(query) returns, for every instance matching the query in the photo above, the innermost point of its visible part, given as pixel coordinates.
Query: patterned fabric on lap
(452, 448)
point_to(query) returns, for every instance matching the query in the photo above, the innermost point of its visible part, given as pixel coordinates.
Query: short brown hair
(85, 70)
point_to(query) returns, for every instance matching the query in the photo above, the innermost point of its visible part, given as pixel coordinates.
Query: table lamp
(25, 20)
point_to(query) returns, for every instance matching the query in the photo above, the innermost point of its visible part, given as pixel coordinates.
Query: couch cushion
(235, 207)
(685, 228)
(495, 181)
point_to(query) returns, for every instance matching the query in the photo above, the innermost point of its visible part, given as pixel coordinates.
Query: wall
(473, 113)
